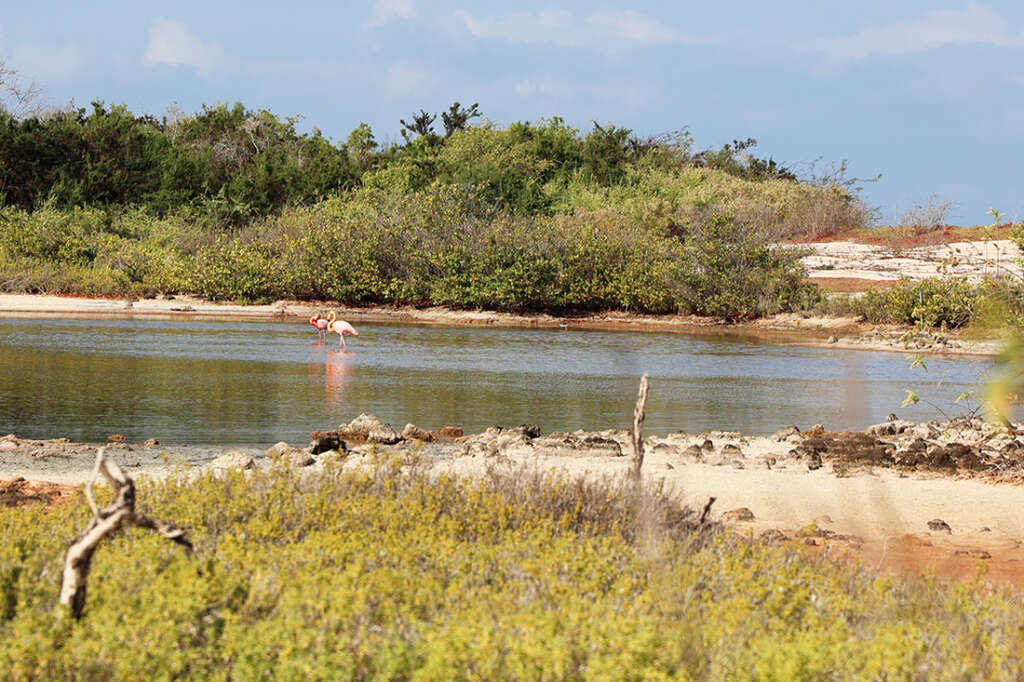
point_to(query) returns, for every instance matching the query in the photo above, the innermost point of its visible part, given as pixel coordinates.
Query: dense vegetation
(946, 303)
(235, 204)
(390, 573)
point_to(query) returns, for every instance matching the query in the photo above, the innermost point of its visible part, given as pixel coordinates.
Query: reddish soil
(17, 492)
(911, 555)
(909, 237)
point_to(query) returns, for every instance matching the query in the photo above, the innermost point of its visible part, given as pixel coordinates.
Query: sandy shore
(789, 328)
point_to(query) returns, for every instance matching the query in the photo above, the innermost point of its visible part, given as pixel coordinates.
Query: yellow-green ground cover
(388, 572)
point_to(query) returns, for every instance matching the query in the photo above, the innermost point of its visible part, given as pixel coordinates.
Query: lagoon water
(260, 382)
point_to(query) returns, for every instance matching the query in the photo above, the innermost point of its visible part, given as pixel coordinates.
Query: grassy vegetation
(235, 204)
(389, 573)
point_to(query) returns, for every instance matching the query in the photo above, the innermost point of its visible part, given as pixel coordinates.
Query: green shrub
(930, 302)
(390, 572)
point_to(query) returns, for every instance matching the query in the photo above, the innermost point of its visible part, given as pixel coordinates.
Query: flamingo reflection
(338, 370)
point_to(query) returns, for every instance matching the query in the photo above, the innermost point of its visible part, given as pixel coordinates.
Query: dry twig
(110, 519)
(638, 423)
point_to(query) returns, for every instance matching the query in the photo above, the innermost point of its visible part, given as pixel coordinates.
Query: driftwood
(638, 422)
(110, 519)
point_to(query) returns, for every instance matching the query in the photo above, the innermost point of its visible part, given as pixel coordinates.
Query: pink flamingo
(321, 326)
(340, 327)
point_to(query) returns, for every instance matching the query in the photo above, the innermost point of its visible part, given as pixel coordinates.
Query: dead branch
(110, 519)
(706, 511)
(638, 423)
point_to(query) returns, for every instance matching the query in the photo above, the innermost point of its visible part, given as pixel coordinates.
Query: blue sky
(929, 94)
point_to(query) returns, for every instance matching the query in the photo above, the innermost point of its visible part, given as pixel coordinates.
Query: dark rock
(694, 451)
(450, 432)
(773, 535)
(939, 525)
(707, 445)
(413, 432)
(814, 444)
(889, 428)
(739, 514)
(530, 430)
(860, 448)
(608, 446)
(730, 449)
(917, 445)
(326, 440)
(783, 434)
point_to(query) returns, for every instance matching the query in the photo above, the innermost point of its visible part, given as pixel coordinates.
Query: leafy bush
(390, 572)
(237, 204)
(950, 303)
(932, 302)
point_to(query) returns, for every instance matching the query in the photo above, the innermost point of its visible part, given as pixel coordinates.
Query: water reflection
(338, 371)
(259, 382)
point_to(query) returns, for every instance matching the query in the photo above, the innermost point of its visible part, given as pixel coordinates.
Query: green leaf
(911, 398)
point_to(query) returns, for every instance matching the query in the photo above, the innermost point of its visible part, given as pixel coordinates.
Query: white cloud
(976, 25)
(171, 43)
(386, 11)
(407, 78)
(560, 27)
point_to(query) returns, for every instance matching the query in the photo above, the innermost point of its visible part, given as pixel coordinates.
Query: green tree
(457, 118)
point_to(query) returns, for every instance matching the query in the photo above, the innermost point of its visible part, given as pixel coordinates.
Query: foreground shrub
(390, 573)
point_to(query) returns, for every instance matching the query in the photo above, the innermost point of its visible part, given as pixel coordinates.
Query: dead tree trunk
(110, 519)
(638, 423)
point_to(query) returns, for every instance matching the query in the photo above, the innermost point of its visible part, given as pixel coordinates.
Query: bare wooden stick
(638, 423)
(706, 511)
(110, 519)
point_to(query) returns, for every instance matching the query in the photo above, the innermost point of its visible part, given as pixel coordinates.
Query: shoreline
(845, 333)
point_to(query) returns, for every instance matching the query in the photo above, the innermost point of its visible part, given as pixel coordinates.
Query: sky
(928, 94)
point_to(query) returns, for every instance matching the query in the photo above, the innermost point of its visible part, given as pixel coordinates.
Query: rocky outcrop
(367, 428)
(413, 432)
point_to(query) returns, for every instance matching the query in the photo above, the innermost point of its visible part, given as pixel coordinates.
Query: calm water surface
(260, 382)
